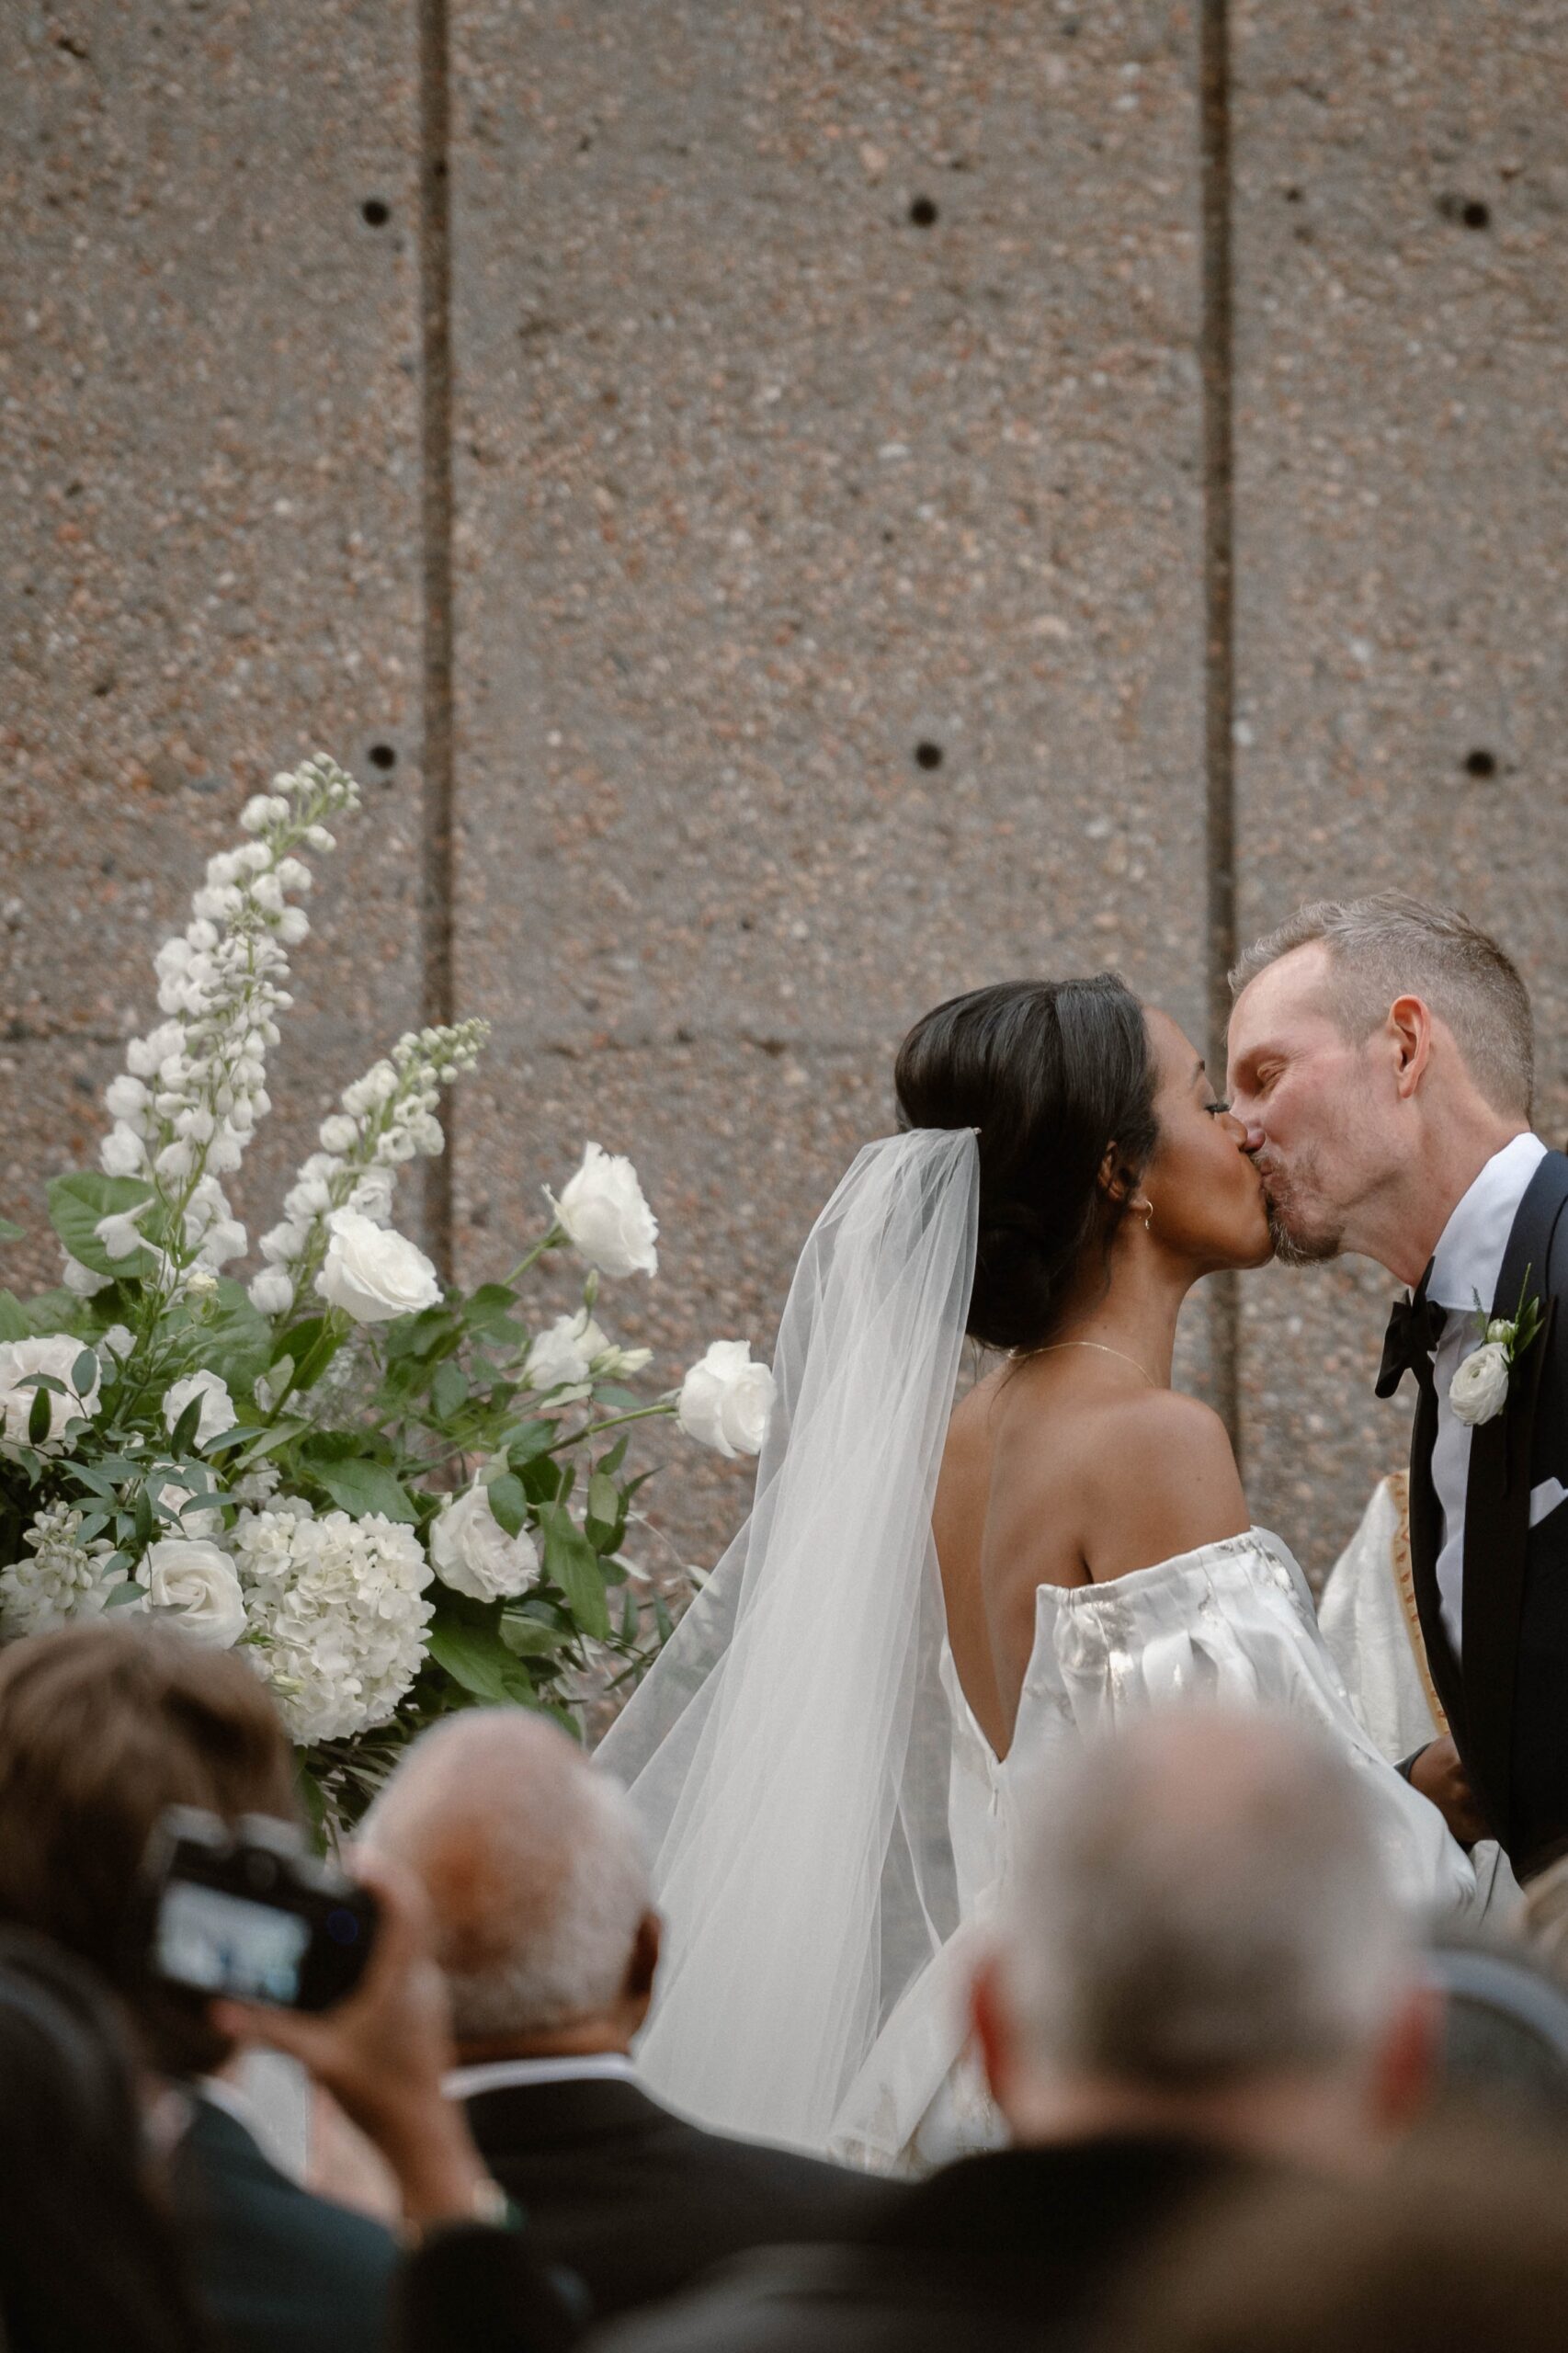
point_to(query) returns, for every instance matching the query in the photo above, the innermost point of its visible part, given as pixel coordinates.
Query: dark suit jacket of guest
(1507, 1701)
(636, 2200)
(280, 2270)
(1018, 2247)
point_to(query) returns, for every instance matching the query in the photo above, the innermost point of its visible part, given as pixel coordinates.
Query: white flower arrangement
(1479, 1389)
(390, 1495)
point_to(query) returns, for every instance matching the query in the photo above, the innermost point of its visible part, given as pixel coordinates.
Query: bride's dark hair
(1052, 1073)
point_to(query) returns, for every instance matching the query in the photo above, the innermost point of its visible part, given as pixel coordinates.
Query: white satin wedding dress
(828, 1828)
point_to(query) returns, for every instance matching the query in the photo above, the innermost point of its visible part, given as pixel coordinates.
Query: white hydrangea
(337, 1614)
(194, 1088)
(61, 1578)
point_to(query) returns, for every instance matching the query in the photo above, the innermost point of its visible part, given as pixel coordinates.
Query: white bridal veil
(789, 1752)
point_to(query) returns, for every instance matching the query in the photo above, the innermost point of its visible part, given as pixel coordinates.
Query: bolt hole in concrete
(927, 755)
(383, 756)
(1481, 764)
(923, 213)
(374, 212)
(1476, 216)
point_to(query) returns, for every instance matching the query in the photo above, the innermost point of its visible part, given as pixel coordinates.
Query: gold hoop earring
(1146, 1205)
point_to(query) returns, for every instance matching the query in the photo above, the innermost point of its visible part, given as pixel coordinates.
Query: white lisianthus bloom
(195, 1583)
(373, 1274)
(55, 1356)
(117, 1342)
(218, 1413)
(563, 1358)
(271, 1292)
(172, 1498)
(474, 1553)
(606, 1217)
(122, 1152)
(82, 1280)
(1479, 1389)
(726, 1400)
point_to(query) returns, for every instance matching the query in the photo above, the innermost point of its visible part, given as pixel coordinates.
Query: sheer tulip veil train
(828, 1827)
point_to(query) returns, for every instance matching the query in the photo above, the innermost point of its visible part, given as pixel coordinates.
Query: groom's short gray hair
(1199, 1899)
(1391, 945)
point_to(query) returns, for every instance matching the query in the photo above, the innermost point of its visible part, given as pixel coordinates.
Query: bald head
(531, 1860)
(1198, 1899)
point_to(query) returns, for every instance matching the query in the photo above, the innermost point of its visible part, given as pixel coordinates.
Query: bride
(928, 1600)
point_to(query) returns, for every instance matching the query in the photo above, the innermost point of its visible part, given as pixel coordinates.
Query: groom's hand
(1439, 1776)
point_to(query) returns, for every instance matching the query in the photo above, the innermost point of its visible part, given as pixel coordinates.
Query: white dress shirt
(500, 2075)
(1465, 1266)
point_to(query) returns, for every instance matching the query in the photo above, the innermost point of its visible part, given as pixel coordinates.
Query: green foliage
(77, 1202)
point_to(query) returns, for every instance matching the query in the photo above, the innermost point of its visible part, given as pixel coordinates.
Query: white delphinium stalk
(388, 1117)
(194, 1088)
(337, 1614)
(61, 1578)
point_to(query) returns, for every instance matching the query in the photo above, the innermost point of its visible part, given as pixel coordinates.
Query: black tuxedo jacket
(636, 2200)
(1507, 1698)
(1016, 2248)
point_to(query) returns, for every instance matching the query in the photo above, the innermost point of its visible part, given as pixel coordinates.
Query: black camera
(251, 1914)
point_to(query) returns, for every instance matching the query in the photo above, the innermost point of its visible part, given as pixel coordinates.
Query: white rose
(1479, 1389)
(271, 1292)
(373, 1274)
(218, 1413)
(172, 1498)
(726, 1401)
(198, 1580)
(55, 1356)
(117, 1342)
(563, 1358)
(474, 1553)
(606, 1217)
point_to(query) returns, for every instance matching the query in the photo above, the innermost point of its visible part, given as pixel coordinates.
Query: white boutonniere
(1480, 1388)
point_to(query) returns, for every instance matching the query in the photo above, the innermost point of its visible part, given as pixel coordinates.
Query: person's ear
(1115, 1179)
(1405, 2066)
(1409, 1032)
(642, 1967)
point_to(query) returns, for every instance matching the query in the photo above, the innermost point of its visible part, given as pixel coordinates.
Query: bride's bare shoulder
(1161, 1478)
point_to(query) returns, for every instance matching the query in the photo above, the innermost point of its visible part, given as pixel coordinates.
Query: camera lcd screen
(226, 1944)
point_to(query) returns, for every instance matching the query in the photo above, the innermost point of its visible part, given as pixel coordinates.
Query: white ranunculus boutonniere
(1480, 1388)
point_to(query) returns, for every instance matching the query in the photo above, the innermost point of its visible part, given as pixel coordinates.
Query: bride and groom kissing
(930, 1599)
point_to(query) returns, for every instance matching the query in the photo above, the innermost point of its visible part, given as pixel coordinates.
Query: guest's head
(88, 2256)
(101, 1727)
(1462, 2247)
(1098, 1135)
(543, 1918)
(1200, 1939)
(1369, 1036)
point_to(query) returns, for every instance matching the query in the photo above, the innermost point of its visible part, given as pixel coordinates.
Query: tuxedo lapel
(1426, 1543)
(1498, 1506)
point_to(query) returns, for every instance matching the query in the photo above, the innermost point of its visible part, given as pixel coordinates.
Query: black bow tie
(1416, 1326)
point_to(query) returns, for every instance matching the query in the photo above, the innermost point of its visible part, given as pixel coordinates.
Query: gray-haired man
(1381, 1058)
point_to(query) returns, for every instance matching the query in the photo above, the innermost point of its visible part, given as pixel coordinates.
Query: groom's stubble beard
(1297, 1243)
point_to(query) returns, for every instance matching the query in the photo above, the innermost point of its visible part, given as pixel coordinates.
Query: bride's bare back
(1065, 1468)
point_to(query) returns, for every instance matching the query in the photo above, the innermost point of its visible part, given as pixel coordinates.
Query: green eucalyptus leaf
(449, 1390)
(571, 1562)
(508, 1502)
(604, 1499)
(77, 1202)
(125, 1594)
(14, 1323)
(477, 1658)
(144, 1519)
(530, 1439)
(236, 1340)
(40, 1414)
(361, 1487)
(183, 1440)
(612, 1462)
(84, 1373)
(629, 1616)
(527, 1638)
(298, 1341)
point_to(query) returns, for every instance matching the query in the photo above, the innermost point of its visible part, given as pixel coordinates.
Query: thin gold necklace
(1104, 1351)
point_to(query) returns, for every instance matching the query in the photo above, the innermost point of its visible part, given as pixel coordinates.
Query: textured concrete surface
(827, 561)
(826, 391)
(1402, 522)
(209, 451)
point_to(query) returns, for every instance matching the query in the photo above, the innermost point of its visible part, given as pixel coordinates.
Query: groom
(1381, 1059)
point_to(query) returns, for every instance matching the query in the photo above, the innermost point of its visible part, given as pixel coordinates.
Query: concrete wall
(824, 560)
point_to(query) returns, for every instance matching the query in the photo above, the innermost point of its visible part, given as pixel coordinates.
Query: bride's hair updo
(1051, 1074)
